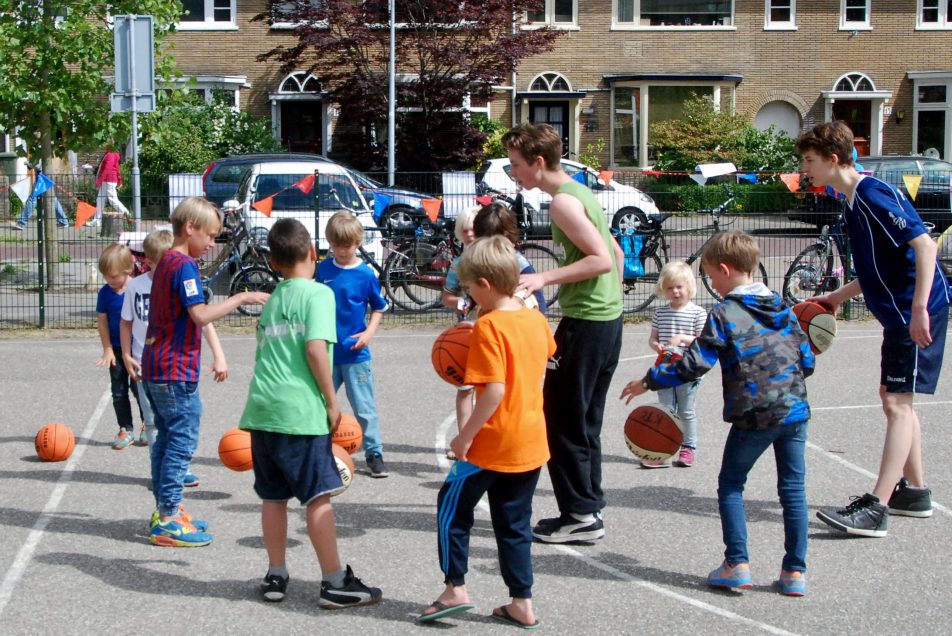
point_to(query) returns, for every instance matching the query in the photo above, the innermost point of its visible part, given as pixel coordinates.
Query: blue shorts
(908, 369)
(286, 466)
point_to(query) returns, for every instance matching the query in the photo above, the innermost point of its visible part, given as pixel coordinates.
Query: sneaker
(910, 502)
(92, 224)
(17, 227)
(685, 457)
(792, 583)
(352, 593)
(273, 587)
(201, 526)
(178, 533)
(570, 528)
(377, 466)
(143, 439)
(735, 577)
(62, 224)
(123, 439)
(655, 463)
(191, 480)
(864, 516)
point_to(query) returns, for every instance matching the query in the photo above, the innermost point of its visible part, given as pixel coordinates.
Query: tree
(54, 58)
(447, 51)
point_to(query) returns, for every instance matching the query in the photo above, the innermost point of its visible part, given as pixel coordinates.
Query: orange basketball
(345, 466)
(234, 449)
(348, 435)
(818, 323)
(450, 352)
(54, 442)
(653, 432)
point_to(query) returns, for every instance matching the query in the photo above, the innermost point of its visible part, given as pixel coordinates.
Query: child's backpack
(631, 244)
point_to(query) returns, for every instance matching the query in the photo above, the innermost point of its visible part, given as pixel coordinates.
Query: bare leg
(274, 529)
(902, 449)
(323, 533)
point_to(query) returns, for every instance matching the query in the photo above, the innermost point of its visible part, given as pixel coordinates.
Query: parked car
(222, 176)
(624, 205)
(404, 207)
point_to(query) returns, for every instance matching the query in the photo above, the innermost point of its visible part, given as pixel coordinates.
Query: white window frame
(550, 18)
(945, 17)
(635, 25)
(284, 26)
(865, 25)
(932, 78)
(778, 25)
(205, 84)
(209, 23)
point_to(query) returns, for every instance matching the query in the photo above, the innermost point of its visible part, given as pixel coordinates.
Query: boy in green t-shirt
(291, 412)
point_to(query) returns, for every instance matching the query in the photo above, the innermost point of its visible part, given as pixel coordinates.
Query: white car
(624, 205)
(333, 190)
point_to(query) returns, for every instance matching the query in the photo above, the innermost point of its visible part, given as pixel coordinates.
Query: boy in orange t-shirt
(502, 447)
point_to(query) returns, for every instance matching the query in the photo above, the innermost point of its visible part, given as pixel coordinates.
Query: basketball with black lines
(818, 322)
(450, 352)
(653, 432)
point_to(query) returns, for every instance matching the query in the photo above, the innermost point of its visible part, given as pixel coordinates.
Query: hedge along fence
(759, 198)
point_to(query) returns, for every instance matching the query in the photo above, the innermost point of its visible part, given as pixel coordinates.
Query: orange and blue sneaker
(735, 577)
(178, 533)
(201, 526)
(792, 583)
(123, 438)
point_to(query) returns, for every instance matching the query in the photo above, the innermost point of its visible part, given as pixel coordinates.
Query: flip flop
(502, 615)
(443, 610)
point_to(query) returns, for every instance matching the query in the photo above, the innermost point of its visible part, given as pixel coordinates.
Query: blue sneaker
(792, 583)
(735, 577)
(123, 439)
(201, 526)
(191, 480)
(178, 533)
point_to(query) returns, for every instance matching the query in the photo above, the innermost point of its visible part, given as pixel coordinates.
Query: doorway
(857, 114)
(302, 126)
(556, 114)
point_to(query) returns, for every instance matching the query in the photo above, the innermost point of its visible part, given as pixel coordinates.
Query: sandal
(442, 611)
(502, 615)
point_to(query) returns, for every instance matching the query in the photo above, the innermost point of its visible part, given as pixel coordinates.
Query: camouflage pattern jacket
(764, 357)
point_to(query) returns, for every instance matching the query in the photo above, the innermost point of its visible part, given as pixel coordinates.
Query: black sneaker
(273, 587)
(570, 529)
(376, 466)
(352, 593)
(910, 502)
(864, 516)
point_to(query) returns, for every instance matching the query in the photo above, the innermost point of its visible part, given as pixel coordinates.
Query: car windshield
(332, 192)
(363, 181)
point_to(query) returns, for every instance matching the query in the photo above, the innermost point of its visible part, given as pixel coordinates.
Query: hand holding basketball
(818, 323)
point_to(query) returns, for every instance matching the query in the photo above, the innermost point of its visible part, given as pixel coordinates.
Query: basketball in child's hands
(54, 442)
(450, 352)
(817, 322)
(653, 432)
(234, 449)
(345, 466)
(348, 435)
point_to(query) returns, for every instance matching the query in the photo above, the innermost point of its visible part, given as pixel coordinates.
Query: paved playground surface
(75, 556)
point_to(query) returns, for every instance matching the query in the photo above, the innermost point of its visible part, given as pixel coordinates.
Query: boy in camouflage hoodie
(764, 357)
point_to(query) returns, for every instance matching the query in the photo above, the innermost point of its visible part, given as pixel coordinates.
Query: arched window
(550, 83)
(854, 83)
(300, 82)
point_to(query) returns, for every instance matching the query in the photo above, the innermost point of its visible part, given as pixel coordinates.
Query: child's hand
(255, 298)
(632, 390)
(333, 417)
(107, 359)
(220, 369)
(133, 368)
(460, 448)
(363, 339)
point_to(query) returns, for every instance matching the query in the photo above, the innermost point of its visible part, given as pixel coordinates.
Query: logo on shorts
(890, 378)
(898, 221)
(191, 288)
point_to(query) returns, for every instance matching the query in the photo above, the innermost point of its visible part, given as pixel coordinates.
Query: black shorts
(905, 367)
(286, 466)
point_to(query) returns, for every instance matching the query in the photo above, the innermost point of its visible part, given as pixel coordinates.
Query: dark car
(398, 207)
(222, 176)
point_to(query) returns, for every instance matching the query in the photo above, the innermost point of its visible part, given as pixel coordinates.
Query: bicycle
(815, 270)
(655, 251)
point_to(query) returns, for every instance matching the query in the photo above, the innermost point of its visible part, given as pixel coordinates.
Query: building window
(556, 13)
(931, 132)
(854, 83)
(780, 14)
(664, 13)
(934, 14)
(207, 15)
(550, 82)
(416, 12)
(627, 107)
(300, 82)
(290, 15)
(854, 14)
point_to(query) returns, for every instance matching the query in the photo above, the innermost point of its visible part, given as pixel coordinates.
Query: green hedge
(753, 198)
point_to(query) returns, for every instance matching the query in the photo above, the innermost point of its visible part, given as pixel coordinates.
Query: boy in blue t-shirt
(115, 264)
(355, 288)
(902, 283)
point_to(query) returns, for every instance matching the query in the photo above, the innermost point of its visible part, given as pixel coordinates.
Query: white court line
(25, 554)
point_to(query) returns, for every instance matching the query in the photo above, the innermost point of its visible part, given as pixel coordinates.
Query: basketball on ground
(348, 435)
(450, 352)
(818, 322)
(54, 442)
(345, 466)
(653, 432)
(234, 449)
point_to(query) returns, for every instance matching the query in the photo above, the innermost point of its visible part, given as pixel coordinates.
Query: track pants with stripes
(510, 507)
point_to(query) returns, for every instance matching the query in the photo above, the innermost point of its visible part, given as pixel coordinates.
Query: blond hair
(200, 212)
(735, 248)
(465, 221)
(492, 258)
(344, 229)
(676, 272)
(115, 259)
(156, 244)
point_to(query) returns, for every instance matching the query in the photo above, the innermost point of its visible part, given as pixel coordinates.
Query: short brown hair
(344, 229)
(495, 218)
(156, 244)
(735, 248)
(826, 140)
(201, 212)
(492, 258)
(289, 242)
(115, 259)
(535, 140)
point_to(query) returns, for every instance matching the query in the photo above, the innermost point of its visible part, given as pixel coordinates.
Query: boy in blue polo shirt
(904, 287)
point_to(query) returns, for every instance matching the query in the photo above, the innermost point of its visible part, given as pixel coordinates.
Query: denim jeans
(681, 399)
(741, 452)
(148, 416)
(358, 381)
(178, 411)
(28, 212)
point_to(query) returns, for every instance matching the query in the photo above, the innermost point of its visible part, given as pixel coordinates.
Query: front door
(556, 114)
(857, 114)
(302, 126)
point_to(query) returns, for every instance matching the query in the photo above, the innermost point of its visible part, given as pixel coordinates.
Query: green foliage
(65, 257)
(493, 148)
(759, 198)
(591, 156)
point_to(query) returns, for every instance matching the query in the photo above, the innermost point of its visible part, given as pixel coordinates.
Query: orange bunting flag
(912, 182)
(432, 208)
(792, 179)
(484, 199)
(264, 206)
(306, 184)
(606, 176)
(84, 212)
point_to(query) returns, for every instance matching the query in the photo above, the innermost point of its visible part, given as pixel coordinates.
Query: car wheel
(629, 219)
(397, 217)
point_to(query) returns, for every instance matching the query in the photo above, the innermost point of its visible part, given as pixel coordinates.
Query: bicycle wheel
(413, 277)
(717, 297)
(810, 274)
(640, 290)
(543, 259)
(252, 279)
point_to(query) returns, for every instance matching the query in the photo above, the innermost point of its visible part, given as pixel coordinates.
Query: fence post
(41, 258)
